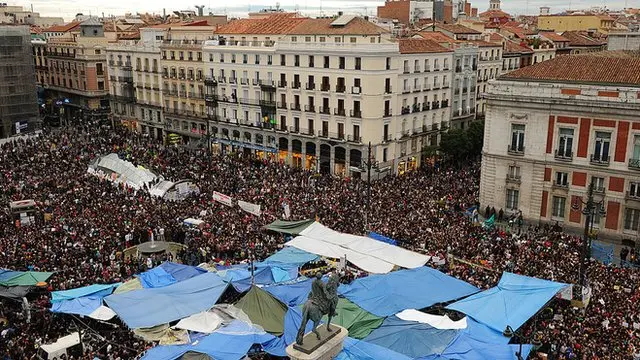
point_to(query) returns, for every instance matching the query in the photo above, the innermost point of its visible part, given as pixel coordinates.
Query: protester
(93, 221)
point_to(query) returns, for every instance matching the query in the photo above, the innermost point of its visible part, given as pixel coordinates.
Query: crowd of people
(92, 222)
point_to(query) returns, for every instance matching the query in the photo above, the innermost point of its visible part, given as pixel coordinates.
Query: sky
(68, 8)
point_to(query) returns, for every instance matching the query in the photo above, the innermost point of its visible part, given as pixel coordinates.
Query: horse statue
(323, 300)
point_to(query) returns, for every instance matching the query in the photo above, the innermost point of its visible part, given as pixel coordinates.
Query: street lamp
(371, 163)
(590, 209)
(535, 340)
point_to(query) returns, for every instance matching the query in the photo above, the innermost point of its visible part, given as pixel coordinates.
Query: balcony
(340, 88)
(324, 110)
(514, 179)
(458, 69)
(310, 108)
(282, 105)
(325, 87)
(323, 134)
(310, 86)
(267, 103)
(210, 82)
(416, 70)
(388, 90)
(515, 150)
(282, 84)
(388, 113)
(295, 85)
(356, 90)
(125, 79)
(233, 80)
(355, 113)
(406, 90)
(354, 139)
(598, 189)
(600, 160)
(339, 112)
(222, 79)
(405, 134)
(406, 70)
(426, 106)
(295, 107)
(294, 129)
(563, 155)
(405, 110)
(634, 164)
(632, 195)
(560, 185)
(435, 105)
(444, 104)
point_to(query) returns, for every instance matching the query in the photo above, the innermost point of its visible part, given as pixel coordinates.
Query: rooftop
(458, 29)
(354, 26)
(577, 38)
(63, 28)
(553, 36)
(512, 47)
(607, 67)
(417, 46)
(437, 36)
(494, 13)
(272, 24)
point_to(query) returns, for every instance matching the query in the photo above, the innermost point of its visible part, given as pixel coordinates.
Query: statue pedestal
(327, 348)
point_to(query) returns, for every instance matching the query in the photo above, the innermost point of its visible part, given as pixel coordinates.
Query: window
(634, 189)
(353, 40)
(257, 60)
(307, 39)
(517, 138)
(341, 63)
(601, 151)
(388, 64)
(384, 154)
(565, 143)
(358, 63)
(283, 60)
(562, 179)
(632, 219)
(386, 133)
(322, 39)
(514, 172)
(559, 204)
(100, 85)
(311, 61)
(512, 199)
(635, 160)
(326, 62)
(337, 39)
(294, 38)
(598, 183)
(296, 60)
(245, 58)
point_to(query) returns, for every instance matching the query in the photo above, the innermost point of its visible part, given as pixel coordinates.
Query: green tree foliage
(460, 145)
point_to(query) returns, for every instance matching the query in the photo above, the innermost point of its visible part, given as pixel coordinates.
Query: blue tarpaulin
(262, 276)
(292, 256)
(516, 299)
(181, 272)
(82, 306)
(156, 278)
(100, 290)
(291, 294)
(151, 307)
(231, 342)
(8, 274)
(602, 252)
(388, 294)
(464, 347)
(362, 350)
(382, 238)
(410, 338)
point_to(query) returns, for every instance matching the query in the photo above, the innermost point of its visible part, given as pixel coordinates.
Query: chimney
(366, 17)
(339, 13)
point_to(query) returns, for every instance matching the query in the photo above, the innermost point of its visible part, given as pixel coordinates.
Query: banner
(250, 208)
(222, 198)
(287, 211)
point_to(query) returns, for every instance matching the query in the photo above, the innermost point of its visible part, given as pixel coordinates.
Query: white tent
(366, 247)
(437, 321)
(60, 347)
(204, 322)
(125, 171)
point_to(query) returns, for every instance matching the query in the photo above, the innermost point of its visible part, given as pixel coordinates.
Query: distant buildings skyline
(306, 7)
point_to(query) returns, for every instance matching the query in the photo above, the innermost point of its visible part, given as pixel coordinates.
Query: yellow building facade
(561, 23)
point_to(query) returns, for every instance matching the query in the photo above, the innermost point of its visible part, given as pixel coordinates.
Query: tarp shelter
(82, 291)
(168, 273)
(123, 171)
(27, 278)
(291, 294)
(82, 306)
(364, 245)
(181, 272)
(464, 347)
(151, 307)
(359, 322)
(291, 256)
(15, 292)
(411, 338)
(8, 274)
(264, 310)
(59, 348)
(386, 295)
(205, 322)
(442, 322)
(514, 301)
(382, 238)
(231, 342)
(289, 227)
(133, 284)
(361, 350)
(85, 300)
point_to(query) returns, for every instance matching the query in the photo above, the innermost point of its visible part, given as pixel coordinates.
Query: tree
(460, 145)
(475, 135)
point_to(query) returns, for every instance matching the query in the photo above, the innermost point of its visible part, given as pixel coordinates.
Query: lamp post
(590, 209)
(371, 163)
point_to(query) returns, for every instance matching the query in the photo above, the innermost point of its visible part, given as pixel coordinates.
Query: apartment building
(18, 103)
(315, 92)
(136, 78)
(576, 22)
(489, 68)
(74, 73)
(556, 127)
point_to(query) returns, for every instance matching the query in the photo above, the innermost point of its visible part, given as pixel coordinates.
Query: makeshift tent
(290, 256)
(95, 289)
(289, 227)
(385, 295)
(382, 238)
(27, 278)
(156, 278)
(8, 274)
(262, 276)
(82, 306)
(204, 322)
(181, 272)
(410, 338)
(151, 307)
(439, 322)
(516, 299)
(124, 171)
(102, 313)
(264, 310)
(364, 245)
(163, 334)
(361, 350)
(133, 284)
(464, 347)
(291, 294)
(61, 345)
(359, 322)
(231, 342)
(15, 292)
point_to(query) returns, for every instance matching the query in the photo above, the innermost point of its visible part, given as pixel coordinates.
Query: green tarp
(358, 321)
(264, 310)
(27, 278)
(289, 227)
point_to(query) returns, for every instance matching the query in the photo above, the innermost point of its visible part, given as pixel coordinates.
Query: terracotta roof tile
(553, 36)
(512, 47)
(63, 28)
(578, 39)
(357, 26)
(617, 67)
(482, 43)
(457, 29)
(495, 13)
(437, 36)
(417, 46)
(273, 24)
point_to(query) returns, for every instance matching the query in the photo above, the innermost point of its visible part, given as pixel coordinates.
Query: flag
(489, 222)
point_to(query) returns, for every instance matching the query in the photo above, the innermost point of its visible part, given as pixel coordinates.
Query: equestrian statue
(323, 300)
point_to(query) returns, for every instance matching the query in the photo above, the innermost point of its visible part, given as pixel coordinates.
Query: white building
(554, 128)
(315, 92)
(489, 68)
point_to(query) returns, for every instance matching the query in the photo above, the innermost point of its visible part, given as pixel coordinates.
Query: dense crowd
(93, 221)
